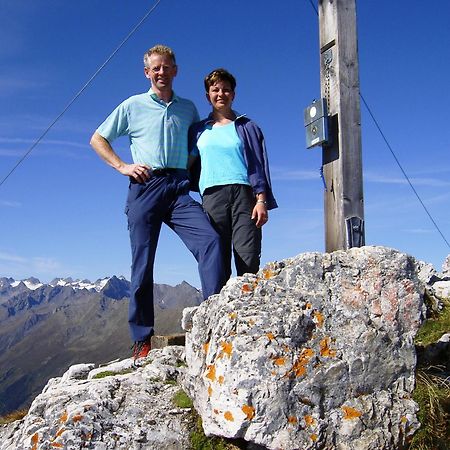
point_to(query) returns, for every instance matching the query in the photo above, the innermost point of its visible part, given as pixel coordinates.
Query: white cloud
(57, 142)
(280, 174)
(45, 264)
(416, 181)
(8, 257)
(9, 152)
(20, 267)
(11, 86)
(10, 204)
(418, 230)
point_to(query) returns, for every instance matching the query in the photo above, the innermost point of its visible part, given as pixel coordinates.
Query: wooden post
(342, 160)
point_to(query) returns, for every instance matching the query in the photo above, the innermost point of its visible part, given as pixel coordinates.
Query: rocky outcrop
(127, 407)
(313, 352)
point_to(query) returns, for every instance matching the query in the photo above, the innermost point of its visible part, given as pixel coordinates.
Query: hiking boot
(141, 348)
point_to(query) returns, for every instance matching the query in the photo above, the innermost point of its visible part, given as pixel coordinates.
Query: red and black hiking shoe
(141, 348)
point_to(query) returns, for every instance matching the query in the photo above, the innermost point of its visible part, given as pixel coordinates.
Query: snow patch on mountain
(33, 283)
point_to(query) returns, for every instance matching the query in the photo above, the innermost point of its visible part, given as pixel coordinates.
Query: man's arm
(140, 172)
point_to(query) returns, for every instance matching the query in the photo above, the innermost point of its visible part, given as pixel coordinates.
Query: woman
(229, 161)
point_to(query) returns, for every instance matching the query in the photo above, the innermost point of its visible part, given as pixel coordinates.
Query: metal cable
(39, 139)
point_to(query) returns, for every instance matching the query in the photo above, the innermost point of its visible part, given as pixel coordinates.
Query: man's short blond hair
(159, 50)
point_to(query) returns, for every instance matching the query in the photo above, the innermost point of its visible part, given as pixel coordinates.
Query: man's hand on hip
(139, 172)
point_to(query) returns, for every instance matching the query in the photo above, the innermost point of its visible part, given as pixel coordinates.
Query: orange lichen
(325, 349)
(59, 432)
(63, 417)
(350, 413)
(270, 336)
(77, 417)
(308, 306)
(299, 367)
(313, 437)
(210, 391)
(249, 411)
(267, 273)
(310, 421)
(251, 322)
(318, 318)
(34, 441)
(220, 379)
(57, 444)
(246, 288)
(292, 419)
(227, 348)
(206, 347)
(280, 361)
(228, 416)
(211, 372)
(232, 315)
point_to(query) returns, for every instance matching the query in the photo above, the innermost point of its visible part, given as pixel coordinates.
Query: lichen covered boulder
(313, 352)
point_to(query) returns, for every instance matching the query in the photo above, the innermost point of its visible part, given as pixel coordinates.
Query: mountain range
(45, 328)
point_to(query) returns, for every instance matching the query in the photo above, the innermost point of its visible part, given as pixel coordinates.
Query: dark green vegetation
(182, 400)
(432, 392)
(110, 373)
(435, 326)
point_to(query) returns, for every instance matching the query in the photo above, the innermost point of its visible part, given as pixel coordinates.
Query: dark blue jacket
(255, 156)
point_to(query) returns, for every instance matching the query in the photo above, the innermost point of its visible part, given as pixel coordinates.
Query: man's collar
(155, 96)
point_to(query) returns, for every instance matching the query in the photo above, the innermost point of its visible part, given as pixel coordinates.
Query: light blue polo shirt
(157, 130)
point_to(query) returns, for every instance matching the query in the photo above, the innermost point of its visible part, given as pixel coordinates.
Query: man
(157, 124)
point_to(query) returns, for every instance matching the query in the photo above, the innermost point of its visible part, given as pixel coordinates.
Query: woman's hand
(260, 214)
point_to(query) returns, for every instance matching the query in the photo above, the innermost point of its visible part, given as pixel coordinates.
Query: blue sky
(62, 210)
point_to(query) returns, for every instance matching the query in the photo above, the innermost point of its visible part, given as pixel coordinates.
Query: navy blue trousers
(162, 199)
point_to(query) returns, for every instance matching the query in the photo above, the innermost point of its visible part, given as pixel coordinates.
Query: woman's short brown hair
(219, 75)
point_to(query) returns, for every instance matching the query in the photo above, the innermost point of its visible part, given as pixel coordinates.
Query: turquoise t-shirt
(222, 157)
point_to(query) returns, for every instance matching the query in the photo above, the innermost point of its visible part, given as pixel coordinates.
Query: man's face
(220, 95)
(161, 72)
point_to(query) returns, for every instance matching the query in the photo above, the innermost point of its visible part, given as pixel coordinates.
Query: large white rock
(313, 352)
(441, 289)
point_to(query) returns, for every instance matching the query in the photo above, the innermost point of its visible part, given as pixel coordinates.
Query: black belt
(164, 171)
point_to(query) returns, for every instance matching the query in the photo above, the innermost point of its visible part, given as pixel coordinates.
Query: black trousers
(229, 208)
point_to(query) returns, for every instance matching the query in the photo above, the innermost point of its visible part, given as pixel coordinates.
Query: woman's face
(221, 95)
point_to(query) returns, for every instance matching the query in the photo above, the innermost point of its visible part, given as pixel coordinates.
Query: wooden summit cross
(342, 160)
